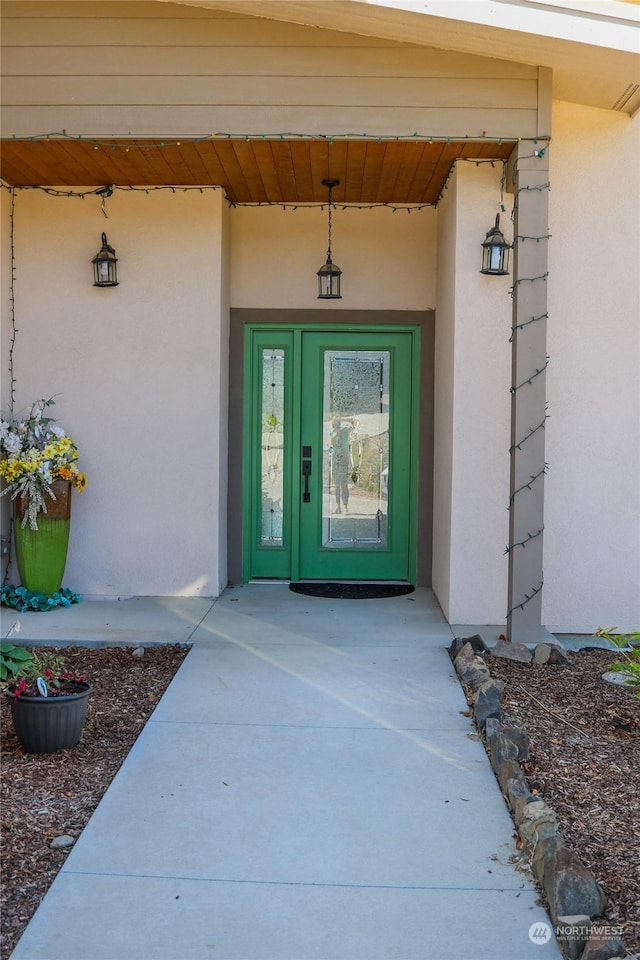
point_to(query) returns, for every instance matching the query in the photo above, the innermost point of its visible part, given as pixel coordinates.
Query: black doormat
(352, 591)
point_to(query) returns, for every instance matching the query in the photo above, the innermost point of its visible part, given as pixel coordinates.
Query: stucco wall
(138, 372)
(388, 260)
(592, 522)
(473, 325)
(443, 394)
(592, 491)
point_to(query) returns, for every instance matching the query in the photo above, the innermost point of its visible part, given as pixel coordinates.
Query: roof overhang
(257, 170)
(584, 48)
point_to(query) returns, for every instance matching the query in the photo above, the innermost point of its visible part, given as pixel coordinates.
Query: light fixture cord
(329, 230)
(12, 300)
(12, 345)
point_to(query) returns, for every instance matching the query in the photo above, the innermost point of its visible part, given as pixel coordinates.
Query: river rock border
(574, 898)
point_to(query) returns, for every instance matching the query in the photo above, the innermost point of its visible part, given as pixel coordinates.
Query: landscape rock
(511, 651)
(537, 822)
(559, 657)
(492, 726)
(476, 642)
(465, 652)
(502, 748)
(62, 842)
(487, 703)
(569, 886)
(544, 851)
(476, 675)
(493, 688)
(516, 734)
(510, 770)
(138, 652)
(518, 796)
(573, 933)
(551, 653)
(471, 669)
(464, 657)
(603, 948)
(504, 760)
(618, 679)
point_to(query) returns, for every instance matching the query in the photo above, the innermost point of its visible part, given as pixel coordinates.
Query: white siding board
(196, 121)
(240, 91)
(214, 60)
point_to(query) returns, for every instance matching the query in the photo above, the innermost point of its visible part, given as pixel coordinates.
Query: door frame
(421, 323)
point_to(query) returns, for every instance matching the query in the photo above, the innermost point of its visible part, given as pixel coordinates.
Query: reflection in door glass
(272, 429)
(355, 469)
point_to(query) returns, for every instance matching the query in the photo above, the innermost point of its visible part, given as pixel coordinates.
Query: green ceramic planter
(42, 553)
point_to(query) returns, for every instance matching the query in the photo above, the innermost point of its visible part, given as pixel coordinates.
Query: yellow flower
(66, 473)
(80, 482)
(63, 445)
(49, 451)
(10, 470)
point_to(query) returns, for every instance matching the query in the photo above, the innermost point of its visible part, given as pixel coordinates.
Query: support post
(528, 391)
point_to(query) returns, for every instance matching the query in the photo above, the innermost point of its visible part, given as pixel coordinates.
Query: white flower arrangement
(35, 452)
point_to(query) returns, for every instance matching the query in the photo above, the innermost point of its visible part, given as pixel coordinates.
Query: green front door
(330, 454)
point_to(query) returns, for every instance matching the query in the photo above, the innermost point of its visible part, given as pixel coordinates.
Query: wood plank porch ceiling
(251, 170)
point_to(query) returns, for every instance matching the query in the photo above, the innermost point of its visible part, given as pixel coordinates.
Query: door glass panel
(355, 463)
(272, 452)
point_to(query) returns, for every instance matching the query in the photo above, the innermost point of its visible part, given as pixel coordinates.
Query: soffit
(593, 50)
(252, 171)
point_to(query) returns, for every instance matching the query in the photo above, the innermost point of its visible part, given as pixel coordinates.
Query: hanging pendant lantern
(329, 275)
(495, 252)
(105, 271)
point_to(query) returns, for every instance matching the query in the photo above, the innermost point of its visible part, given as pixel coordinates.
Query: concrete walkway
(307, 789)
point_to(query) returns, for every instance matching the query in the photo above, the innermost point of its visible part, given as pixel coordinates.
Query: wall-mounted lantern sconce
(329, 275)
(105, 271)
(495, 252)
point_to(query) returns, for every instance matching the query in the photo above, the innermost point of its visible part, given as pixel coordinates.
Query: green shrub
(13, 661)
(629, 667)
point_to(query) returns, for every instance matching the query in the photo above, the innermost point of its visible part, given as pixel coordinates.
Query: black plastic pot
(47, 724)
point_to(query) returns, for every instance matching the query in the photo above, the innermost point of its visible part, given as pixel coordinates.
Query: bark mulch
(44, 796)
(585, 763)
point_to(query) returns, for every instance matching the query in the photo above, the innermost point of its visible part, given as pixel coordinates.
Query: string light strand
(535, 186)
(519, 238)
(115, 142)
(11, 368)
(521, 326)
(102, 193)
(519, 445)
(527, 486)
(543, 276)
(528, 597)
(531, 378)
(12, 300)
(523, 543)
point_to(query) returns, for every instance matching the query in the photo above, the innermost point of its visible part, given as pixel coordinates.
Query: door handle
(306, 473)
